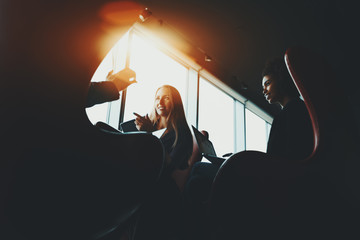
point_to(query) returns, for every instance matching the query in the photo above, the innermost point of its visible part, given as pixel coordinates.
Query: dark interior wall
(340, 48)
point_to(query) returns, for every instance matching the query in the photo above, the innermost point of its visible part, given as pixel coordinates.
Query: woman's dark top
(182, 151)
(166, 201)
(291, 133)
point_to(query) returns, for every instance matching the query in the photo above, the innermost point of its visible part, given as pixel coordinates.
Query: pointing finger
(138, 115)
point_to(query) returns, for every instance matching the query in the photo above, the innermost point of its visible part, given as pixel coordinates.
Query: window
(216, 115)
(231, 125)
(239, 126)
(268, 128)
(256, 132)
(153, 68)
(114, 60)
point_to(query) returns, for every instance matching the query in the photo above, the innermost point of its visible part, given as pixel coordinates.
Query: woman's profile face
(163, 102)
(271, 89)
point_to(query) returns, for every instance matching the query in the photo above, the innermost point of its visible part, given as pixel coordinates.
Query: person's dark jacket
(100, 92)
(291, 134)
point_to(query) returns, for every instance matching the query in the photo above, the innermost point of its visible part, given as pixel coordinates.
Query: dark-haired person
(291, 134)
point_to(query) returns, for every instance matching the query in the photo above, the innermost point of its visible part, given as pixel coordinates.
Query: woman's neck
(285, 101)
(162, 123)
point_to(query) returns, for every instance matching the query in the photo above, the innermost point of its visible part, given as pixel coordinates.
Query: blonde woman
(163, 215)
(168, 112)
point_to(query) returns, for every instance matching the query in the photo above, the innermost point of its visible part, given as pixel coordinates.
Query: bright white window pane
(268, 128)
(216, 115)
(114, 60)
(153, 68)
(256, 132)
(239, 126)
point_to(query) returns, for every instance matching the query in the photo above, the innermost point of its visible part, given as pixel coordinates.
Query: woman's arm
(143, 123)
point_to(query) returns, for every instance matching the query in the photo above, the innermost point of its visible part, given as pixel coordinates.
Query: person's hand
(143, 123)
(122, 79)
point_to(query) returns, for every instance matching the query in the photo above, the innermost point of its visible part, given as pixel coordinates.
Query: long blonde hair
(176, 117)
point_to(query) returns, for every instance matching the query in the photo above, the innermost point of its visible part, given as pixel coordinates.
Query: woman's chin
(162, 113)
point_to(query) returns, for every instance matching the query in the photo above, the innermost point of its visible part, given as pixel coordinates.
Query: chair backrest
(106, 127)
(253, 190)
(65, 179)
(336, 138)
(315, 81)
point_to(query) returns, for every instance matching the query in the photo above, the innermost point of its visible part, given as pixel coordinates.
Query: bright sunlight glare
(114, 60)
(153, 68)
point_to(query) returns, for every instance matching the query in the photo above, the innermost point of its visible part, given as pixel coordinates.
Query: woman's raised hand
(143, 123)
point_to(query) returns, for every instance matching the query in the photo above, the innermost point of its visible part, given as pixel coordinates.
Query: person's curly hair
(277, 69)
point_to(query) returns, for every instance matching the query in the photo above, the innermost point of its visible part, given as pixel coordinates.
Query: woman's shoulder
(169, 133)
(296, 107)
(297, 113)
(183, 133)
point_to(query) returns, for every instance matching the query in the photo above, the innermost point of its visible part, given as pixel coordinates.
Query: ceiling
(240, 35)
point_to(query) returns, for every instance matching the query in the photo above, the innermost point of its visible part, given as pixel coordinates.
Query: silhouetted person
(291, 134)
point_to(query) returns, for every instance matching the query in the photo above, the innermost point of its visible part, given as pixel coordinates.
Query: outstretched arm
(106, 91)
(143, 123)
(122, 79)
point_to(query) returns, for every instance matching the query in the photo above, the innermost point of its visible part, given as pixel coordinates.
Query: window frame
(191, 106)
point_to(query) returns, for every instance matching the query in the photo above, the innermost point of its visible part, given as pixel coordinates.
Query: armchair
(255, 195)
(62, 177)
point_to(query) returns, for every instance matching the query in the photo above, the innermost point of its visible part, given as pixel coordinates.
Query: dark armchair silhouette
(62, 177)
(257, 196)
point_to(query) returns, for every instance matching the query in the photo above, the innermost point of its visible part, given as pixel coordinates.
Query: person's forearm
(100, 92)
